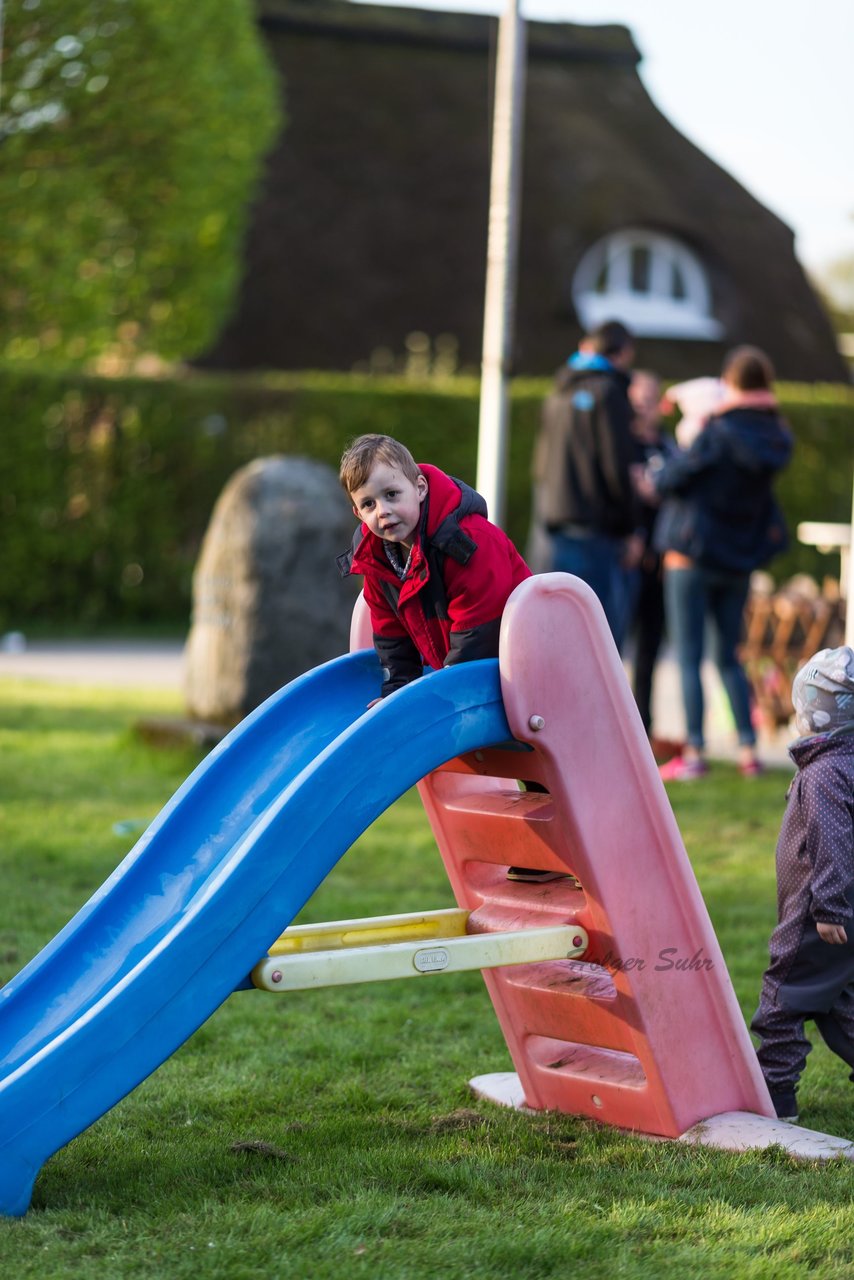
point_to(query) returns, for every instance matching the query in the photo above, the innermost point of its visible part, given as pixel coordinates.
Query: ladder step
(574, 978)
(527, 806)
(554, 997)
(487, 880)
(501, 825)
(592, 1064)
(495, 762)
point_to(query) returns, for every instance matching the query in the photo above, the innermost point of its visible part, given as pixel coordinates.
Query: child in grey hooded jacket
(811, 974)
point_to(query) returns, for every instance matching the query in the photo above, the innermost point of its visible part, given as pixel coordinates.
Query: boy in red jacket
(437, 573)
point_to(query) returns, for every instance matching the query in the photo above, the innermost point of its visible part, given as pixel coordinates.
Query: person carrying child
(811, 974)
(720, 520)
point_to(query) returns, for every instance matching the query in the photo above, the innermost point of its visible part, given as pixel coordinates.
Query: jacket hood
(587, 369)
(840, 742)
(757, 438)
(589, 360)
(447, 496)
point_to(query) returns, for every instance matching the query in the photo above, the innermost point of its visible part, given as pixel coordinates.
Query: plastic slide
(209, 887)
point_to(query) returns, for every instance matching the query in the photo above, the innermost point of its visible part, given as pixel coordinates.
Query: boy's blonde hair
(360, 458)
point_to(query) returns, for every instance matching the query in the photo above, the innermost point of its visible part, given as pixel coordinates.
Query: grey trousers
(784, 1047)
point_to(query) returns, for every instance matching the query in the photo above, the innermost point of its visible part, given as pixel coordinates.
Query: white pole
(501, 256)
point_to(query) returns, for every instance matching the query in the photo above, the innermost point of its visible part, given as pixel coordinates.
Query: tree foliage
(132, 134)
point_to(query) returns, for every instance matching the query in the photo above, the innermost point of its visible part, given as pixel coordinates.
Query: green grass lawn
(332, 1133)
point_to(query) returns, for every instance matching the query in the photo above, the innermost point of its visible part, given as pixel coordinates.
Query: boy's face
(390, 504)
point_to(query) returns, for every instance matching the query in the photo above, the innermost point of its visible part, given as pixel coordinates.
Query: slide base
(730, 1131)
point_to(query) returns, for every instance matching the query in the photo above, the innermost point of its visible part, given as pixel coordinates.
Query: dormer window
(654, 284)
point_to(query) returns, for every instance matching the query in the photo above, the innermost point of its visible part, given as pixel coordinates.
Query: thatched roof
(373, 219)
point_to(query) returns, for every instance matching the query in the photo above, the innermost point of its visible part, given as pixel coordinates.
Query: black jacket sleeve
(473, 643)
(400, 661)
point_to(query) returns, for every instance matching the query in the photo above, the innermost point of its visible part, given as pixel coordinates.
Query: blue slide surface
(211, 884)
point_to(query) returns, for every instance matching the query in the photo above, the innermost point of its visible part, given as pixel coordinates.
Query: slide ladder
(643, 1031)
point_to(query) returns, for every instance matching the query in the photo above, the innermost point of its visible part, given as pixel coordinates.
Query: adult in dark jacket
(811, 974)
(718, 522)
(582, 468)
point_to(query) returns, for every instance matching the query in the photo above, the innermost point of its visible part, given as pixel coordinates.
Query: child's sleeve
(477, 593)
(828, 811)
(399, 658)
(682, 468)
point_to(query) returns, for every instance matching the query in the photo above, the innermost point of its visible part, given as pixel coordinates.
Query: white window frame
(655, 313)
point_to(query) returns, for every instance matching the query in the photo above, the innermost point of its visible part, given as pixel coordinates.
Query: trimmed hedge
(108, 484)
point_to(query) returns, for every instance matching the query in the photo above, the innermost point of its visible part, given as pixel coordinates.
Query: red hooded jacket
(448, 608)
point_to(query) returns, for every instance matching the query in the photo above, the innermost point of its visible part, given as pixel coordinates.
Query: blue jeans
(596, 559)
(691, 597)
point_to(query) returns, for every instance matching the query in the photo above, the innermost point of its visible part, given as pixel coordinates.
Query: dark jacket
(719, 506)
(448, 608)
(654, 455)
(584, 450)
(815, 875)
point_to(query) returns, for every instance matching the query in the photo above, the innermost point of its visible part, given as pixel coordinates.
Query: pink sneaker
(751, 769)
(681, 770)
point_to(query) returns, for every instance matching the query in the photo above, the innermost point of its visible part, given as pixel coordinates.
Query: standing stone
(268, 601)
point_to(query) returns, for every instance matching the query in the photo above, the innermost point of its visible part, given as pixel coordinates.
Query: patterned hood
(823, 692)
